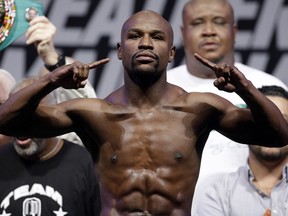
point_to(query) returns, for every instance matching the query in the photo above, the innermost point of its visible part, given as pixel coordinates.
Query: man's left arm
(266, 126)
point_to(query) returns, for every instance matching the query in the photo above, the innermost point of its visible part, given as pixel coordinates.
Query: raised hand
(41, 33)
(229, 78)
(75, 75)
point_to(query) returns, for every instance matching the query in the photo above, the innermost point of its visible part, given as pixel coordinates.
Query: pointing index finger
(205, 61)
(93, 65)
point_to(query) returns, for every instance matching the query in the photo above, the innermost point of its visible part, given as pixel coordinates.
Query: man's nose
(146, 42)
(209, 29)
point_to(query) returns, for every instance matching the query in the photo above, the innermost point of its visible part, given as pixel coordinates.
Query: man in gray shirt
(258, 188)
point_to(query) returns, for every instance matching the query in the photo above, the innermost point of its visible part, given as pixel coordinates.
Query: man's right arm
(20, 108)
(20, 115)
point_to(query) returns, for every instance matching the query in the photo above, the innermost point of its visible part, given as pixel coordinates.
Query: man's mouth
(145, 56)
(209, 45)
(22, 140)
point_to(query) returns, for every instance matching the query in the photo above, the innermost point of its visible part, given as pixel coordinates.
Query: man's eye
(158, 37)
(220, 21)
(133, 36)
(196, 22)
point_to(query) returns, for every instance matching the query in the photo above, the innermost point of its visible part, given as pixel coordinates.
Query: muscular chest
(150, 137)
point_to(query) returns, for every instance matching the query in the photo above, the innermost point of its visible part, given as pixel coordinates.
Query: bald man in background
(7, 82)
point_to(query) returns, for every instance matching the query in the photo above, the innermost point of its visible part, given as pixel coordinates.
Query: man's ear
(172, 54)
(119, 52)
(235, 30)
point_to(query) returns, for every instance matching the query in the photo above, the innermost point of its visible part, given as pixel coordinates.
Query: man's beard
(30, 151)
(270, 156)
(144, 75)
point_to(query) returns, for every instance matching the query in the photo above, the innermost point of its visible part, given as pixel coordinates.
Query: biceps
(235, 122)
(52, 121)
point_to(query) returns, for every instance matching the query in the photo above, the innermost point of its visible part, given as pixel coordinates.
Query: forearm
(87, 92)
(265, 113)
(21, 105)
(50, 57)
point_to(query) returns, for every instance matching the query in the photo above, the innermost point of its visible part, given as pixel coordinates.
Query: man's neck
(145, 93)
(266, 174)
(53, 147)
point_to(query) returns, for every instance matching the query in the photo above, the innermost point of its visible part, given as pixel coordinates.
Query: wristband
(61, 62)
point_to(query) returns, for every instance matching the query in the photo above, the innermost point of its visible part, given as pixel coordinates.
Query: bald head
(142, 18)
(149, 33)
(7, 82)
(50, 99)
(223, 3)
(211, 20)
